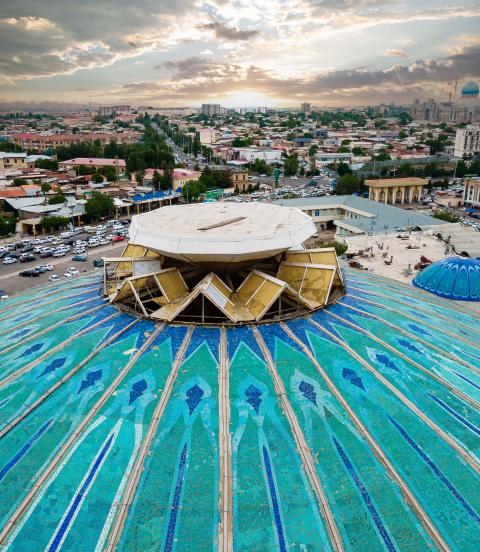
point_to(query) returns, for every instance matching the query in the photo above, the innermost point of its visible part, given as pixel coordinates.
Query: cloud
(48, 39)
(194, 79)
(224, 32)
(394, 52)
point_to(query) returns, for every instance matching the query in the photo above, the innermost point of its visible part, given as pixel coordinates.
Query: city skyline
(236, 53)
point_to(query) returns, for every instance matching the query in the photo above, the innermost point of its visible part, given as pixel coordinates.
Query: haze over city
(274, 53)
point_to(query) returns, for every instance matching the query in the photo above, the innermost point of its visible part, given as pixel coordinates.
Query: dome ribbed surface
(454, 278)
(356, 427)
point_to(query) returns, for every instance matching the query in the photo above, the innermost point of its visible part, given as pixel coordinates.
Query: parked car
(31, 272)
(79, 258)
(48, 267)
(47, 252)
(118, 238)
(39, 269)
(53, 278)
(98, 263)
(58, 253)
(73, 271)
(26, 258)
(9, 260)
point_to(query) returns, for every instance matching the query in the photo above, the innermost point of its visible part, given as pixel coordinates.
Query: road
(12, 283)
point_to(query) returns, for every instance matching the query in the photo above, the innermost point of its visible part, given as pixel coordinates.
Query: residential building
(396, 190)
(250, 154)
(467, 142)
(240, 180)
(211, 109)
(323, 159)
(207, 135)
(94, 162)
(12, 161)
(109, 110)
(305, 107)
(43, 142)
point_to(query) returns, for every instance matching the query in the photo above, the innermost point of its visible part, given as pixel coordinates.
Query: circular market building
(220, 387)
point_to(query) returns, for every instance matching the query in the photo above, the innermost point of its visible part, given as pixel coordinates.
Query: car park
(31, 272)
(79, 258)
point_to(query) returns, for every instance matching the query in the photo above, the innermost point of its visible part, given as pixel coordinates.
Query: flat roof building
(396, 191)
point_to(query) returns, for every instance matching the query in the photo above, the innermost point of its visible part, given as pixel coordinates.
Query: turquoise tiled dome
(355, 428)
(455, 278)
(470, 89)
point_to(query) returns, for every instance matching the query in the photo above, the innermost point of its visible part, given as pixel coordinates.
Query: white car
(53, 278)
(9, 260)
(105, 241)
(73, 270)
(46, 267)
(68, 275)
(59, 253)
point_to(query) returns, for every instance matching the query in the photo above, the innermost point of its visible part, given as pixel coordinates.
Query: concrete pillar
(402, 201)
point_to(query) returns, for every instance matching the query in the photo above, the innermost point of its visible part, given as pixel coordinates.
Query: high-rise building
(211, 109)
(467, 141)
(305, 107)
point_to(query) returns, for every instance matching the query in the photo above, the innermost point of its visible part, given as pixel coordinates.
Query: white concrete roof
(221, 232)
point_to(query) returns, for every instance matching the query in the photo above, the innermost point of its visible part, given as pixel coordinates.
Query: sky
(236, 52)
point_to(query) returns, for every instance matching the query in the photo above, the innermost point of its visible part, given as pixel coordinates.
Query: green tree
(7, 225)
(446, 216)
(18, 182)
(9, 147)
(260, 166)
(343, 168)
(347, 184)
(54, 222)
(56, 199)
(45, 188)
(156, 179)
(98, 206)
(340, 248)
(47, 164)
(97, 178)
(290, 166)
(192, 190)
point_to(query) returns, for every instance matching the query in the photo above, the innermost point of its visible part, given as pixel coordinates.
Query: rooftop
(221, 231)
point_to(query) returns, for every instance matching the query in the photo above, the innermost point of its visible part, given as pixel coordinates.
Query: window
(317, 212)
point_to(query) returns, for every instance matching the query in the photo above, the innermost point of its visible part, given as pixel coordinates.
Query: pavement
(13, 284)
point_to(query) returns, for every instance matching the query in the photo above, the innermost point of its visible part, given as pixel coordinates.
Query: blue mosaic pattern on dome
(97, 405)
